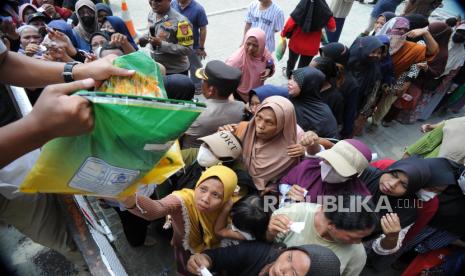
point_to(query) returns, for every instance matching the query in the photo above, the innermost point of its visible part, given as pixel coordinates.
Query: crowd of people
(264, 164)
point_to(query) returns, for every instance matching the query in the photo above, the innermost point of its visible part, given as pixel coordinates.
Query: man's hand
(198, 261)
(57, 114)
(201, 53)
(100, 69)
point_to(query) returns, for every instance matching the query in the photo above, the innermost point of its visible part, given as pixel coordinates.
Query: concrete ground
(225, 30)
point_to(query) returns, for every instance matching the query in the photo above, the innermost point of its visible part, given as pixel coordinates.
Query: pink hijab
(251, 67)
(268, 161)
(22, 8)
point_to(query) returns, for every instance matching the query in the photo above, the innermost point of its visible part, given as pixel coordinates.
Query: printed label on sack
(97, 176)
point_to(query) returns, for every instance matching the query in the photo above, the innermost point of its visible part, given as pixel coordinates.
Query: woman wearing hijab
(261, 259)
(364, 63)
(433, 181)
(103, 10)
(379, 8)
(88, 24)
(65, 28)
(330, 90)
(349, 89)
(272, 143)
(335, 172)
(404, 54)
(255, 62)
(259, 94)
(179, 87)
(380, 21)
(25, 10)
(193, 212)
(444, 139)
(427, 90)
(303, 28)
(311, 112)
(115, 25)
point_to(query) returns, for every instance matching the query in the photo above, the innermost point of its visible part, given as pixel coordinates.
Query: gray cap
(323, 261)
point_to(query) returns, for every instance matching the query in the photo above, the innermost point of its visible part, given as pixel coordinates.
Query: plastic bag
(131, 136)
(281, 48)
(147, 81)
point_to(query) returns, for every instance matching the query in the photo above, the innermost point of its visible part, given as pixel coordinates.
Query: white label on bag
(97, 176)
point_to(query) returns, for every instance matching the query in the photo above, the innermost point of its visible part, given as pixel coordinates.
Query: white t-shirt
(270, 21)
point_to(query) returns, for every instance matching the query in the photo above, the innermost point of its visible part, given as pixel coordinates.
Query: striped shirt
(270, 21)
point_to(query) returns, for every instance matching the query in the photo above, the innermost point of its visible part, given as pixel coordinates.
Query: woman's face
(293, 87)
(376, 54)
(265, 124)
(106, 26)
(380, 23)
(291, 262)
(254, 103)
(30, 36)
(208, 195)
(97, 41)
(251, 46)
(393, 183)
(101, 16)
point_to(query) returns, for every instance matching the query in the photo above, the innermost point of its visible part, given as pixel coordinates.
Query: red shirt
(306, 44)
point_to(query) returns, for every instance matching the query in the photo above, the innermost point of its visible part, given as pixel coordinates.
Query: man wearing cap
(258, 258)
(340, 231)
(221, 147)
(218, 82)
(38, 20)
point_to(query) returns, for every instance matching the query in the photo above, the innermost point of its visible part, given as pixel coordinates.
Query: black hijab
(179, 87)
(337, 51)
(311, 15)
(311, 112)
(421, 173)
(365, 70)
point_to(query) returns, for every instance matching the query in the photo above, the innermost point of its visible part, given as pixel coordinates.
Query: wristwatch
(68, 71)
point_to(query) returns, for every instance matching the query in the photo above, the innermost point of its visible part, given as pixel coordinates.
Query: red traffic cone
(127, 18)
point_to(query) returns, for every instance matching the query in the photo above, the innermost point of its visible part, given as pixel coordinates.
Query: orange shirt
(408, 55)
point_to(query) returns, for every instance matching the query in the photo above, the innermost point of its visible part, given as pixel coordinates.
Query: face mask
(88, 21)
(397, 41)
(329, 174)
(206, 158)
(425, 195)
(458, 38)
